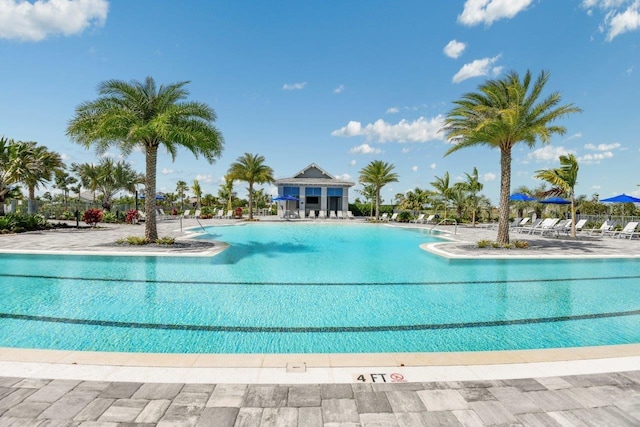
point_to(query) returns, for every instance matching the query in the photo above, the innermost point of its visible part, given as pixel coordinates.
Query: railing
(455, 223)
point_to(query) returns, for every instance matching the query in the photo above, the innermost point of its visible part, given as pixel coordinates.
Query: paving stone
(442, 400)
(378, 420)
(249, 417)
(304, 395)
(120, 390)
(524, 384)
(631, 375)
(361, 387)
(180, 416)
(279, 417)
(590, 380)
(9, 381)
(157, 391)
(554, 383)
(340, 411)
(492, 412)
(514, 400)
(410, 419)
(32, 383)
(371, 403)
(57, 423)
(94, 409)
(53, 391)
(553, 400)
(539, 419)
(259, 396)
(219, 417)
(611, 394)
(468, 418)
(607, 416)
(26, 410)
(440, 418)
(397, 387)
(587, 397)
(336, 391)
(198, 388)
(15, 398)
(476, 394)
(310, 417)
(92, 386)
(17, 422)
(191, 399)
(227, 396)
(98, 424)
(568, 419)
(405, 401)
(5, 391)
(480, 384)
(124, 410)
(153, 412)
(441, 386)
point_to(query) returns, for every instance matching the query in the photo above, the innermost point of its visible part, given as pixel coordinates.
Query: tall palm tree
(181, 190)
(37, 165)
(139, 114)
(226, 191)
(443, 190)
(563, 181)
(251, 169)
(63, 182)
(88, 174)
(369, 193)
(8, 176)
(197, 191)
(503, 113)
(378, 174)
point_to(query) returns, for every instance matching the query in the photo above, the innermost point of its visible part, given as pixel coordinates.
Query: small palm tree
(197, 191)
(251, 169)
(226, 191)
(444, 191)
(563, 180)
(378, 174)
(38, 165)
(136, 114)
(88, 174)
(181, 191)
(503, 113)
(473, 186)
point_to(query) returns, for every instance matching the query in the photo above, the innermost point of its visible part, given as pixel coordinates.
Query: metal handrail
(455, 229)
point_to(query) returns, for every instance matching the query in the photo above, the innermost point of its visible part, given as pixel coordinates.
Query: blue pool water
(295, 288)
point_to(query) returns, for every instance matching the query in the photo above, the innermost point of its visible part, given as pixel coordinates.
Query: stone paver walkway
(587, 400)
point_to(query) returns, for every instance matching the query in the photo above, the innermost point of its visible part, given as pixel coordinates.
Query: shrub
(520, 244)
(109, 217)
(92, 216)
(131, 216)
(67, 215)
(133, 240)
(166, 241)
(404, 216)
(484, 243)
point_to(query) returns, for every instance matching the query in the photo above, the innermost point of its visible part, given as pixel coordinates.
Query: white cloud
(36, 21)
(294, 86)
(420, 130)
(405, 150)
(344, 176)
(352, 163)
(489, 11)
(454, 49)
(576, 135)
(479, 67)
(590, 159)
(393, 110)
(365, 149)
(620, 16)
(596, 187)
(602, 147)
(432, 165)
(629, 70)
(166, 171)
(339, 89)
(548, 153)
(489, 177)
(204, 178)
(414, 168)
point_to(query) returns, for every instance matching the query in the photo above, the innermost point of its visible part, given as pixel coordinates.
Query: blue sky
(335, 83)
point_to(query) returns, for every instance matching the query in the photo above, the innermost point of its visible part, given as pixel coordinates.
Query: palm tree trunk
(31, 204)
(377, 203)
(573, 217)
(150, 228)
(505, 188)
(250, 201)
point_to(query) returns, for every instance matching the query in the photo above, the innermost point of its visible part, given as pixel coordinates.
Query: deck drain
(297, 367)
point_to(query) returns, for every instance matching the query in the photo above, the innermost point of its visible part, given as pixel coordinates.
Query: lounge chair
(384, 217)
(529, 228)
(350, 215)
(430, 219)
(420, 219)
(515, 223)
(628, 230)
(312, 214)
(197, 213)
(186, 214)
(220, 214)
(520, 224)
(229, 214)
(545, 226)
(394, 217)
(579, 226)
(340, 215)
(604, 228)
(559, 227)
(332, 215)
(322, 215)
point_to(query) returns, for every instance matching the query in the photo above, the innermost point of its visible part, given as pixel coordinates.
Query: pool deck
(581, 386)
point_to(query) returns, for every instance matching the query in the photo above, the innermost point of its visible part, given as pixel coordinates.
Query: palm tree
(114, 177)
(197, 191)
(563, 180)
(473, 186)
(63, 182)
(138, 114)
(226, 191)
(37, 165)
(443, 191)
(369, 193)
(378, 174)
(251, 169)
(181, 190)
(88, 174)
(502, 114)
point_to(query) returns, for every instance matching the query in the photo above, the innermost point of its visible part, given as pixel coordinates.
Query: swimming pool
(302, 288)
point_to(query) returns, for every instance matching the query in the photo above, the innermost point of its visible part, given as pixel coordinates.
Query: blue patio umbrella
(555, 201)
(621, 198)
(521, 197)
(158, 197)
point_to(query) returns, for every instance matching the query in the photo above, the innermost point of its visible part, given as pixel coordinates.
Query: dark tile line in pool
(249, 283)
(323, 329)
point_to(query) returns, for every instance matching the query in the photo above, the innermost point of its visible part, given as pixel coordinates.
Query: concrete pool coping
(321, 368)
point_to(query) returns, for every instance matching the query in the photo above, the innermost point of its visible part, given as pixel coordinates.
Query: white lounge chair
(604, 228)
(332, 215)
(340, 215)
(545, 226)
(229, 214)
(394, 217)
(186, 214)
(528, 228)
(419, 219)
(350, 215)
(312, 214)
(628, 230)
(384, 217)
(430, 219)
(322, 215)
(197, 213)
